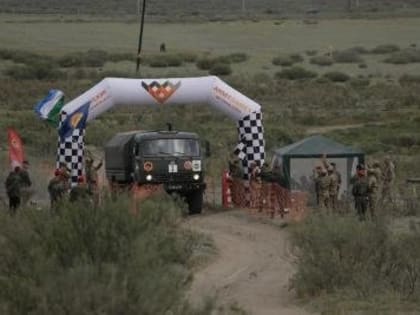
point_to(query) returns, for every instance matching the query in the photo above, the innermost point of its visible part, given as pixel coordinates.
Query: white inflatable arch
(113, 92)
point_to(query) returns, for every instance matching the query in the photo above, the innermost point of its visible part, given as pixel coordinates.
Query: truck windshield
(173, 147)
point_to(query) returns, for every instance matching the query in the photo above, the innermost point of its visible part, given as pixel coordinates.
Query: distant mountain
(206, 8)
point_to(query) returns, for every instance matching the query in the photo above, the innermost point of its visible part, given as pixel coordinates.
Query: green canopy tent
(297, 161)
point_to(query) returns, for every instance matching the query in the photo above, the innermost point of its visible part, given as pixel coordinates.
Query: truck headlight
(196, 176)
(149, 177)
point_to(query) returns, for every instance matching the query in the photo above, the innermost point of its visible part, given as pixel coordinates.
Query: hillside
(207, 8)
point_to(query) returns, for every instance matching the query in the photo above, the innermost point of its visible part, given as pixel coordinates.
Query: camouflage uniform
(92, 178)
(324, 183)
(57, 188)
(333, 189)
(360, 193)
(388, 177)
(373, 189)
(13, 186)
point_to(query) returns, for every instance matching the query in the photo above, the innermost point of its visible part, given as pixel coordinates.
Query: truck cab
(173, 159)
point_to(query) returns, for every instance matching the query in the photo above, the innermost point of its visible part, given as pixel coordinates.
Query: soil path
(252, 268)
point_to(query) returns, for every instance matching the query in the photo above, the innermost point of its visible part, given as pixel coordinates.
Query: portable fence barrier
(264, 198)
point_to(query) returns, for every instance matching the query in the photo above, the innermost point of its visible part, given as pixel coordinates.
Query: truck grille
(174, 177)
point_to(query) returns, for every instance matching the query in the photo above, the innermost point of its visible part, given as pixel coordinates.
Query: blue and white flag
(49, 108)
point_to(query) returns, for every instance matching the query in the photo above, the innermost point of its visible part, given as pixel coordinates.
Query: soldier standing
(360, 191)
(91, 172)
(388, 177)
(333, 189)
(324, 183)
(13, 186)
(373, 189)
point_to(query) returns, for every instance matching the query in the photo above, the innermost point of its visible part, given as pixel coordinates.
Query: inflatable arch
(72, 117)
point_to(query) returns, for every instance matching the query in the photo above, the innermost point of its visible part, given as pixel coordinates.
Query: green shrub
(322, 60)
(409, 79)
(220, 69)
(337, 76)
(295, 73)
(287, 60)
(173, 60)
(205, 63)
(71, 60)
(35, 72)
(385, 49)
(343, 258)
(96, 261)
(404, 57)
(346, 56)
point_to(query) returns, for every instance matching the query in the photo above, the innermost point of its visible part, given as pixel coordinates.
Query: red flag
(16, 153)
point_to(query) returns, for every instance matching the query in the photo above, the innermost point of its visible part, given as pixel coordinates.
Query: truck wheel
(195, 202)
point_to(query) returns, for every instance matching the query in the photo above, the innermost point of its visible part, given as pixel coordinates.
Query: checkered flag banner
(251, 136)
(71, 151)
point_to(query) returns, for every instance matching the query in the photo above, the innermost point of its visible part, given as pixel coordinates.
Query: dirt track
(252, 267)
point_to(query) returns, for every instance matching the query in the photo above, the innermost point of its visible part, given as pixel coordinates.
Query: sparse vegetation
(296, 73)
(322, 60)
(385, 49)
(220, 69)
(336, 76)
(287, 60)
(404, 57)
(347, 56)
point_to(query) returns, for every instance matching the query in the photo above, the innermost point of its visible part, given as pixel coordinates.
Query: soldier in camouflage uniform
(388, 177)
(360, 191)
(373, 189)
(324, 183)
(13, 186)
(333, 189)
(57, 188)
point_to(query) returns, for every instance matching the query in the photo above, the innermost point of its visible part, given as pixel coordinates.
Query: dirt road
(252, 267)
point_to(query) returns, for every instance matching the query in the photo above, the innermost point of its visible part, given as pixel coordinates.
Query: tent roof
(315, 146)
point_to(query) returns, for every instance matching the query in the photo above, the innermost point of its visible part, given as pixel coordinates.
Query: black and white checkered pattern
(71, 151)
(251, 136)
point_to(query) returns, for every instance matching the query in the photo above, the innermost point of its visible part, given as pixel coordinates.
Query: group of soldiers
(86, 189)
(18, 185)
(372, 184)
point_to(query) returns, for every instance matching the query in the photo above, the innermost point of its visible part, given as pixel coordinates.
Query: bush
(237, 57)
(295, 73)
(409, 79)
(404, 57)
(359, 50)
(91, 261)
(359, 82)
(39, 71)
(322, 60)
(205, 63)
(188, 56)
(95, 58)
(338, 256)
(347, 56)
(337, 76)
(116, 57)
(385, 49)
(71, 60)
(287, 60)
(220, 69)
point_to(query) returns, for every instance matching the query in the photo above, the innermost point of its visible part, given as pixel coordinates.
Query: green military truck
(173, 159)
